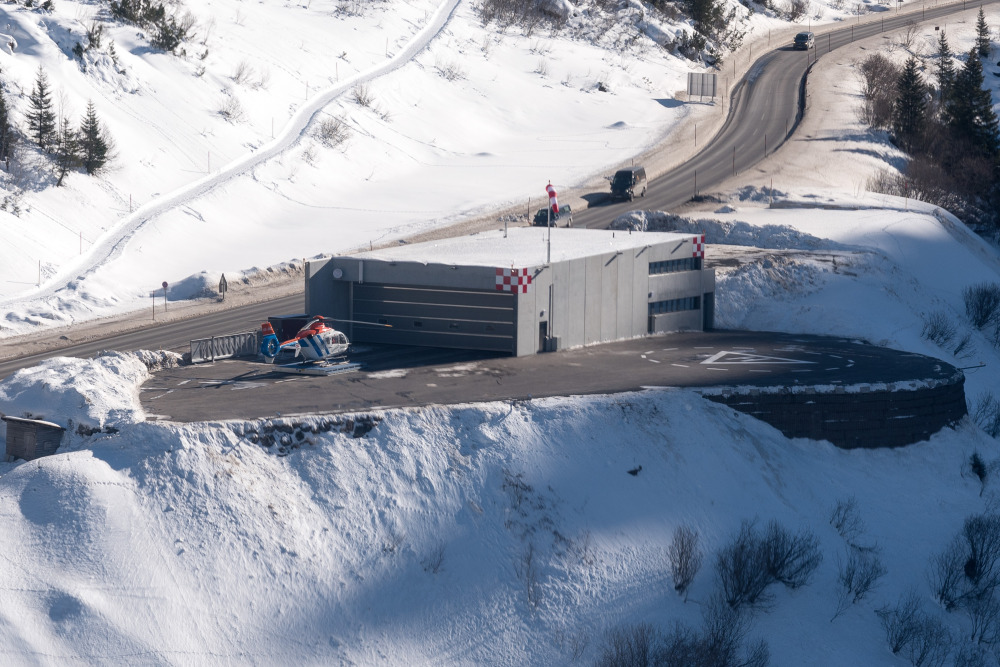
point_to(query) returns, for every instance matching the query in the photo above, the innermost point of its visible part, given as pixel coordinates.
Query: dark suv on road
(804, 40)
(563, 219)
(627, 183)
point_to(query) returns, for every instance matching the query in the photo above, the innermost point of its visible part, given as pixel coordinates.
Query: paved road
(236, 389)
(766, 107)
(176, 335)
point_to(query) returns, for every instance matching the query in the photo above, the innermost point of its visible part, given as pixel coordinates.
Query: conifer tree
(982, 35)
(7, 135)
(969, 110)
(41, 118)
(95, 144)
(67, 149)
(945, 67)
(909, 111)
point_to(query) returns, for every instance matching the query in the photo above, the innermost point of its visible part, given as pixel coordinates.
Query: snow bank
(730, 232)
(500, 533)
(83, 394)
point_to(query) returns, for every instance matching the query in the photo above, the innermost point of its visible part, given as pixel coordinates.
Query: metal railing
(242, 344)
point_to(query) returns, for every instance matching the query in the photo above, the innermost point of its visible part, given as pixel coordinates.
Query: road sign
(703, 84)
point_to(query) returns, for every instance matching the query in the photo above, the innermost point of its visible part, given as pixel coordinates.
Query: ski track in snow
(294, 131)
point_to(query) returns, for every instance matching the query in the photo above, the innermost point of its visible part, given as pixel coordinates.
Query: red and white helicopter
(315, 343)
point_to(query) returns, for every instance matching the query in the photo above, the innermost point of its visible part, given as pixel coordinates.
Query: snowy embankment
(505, 533)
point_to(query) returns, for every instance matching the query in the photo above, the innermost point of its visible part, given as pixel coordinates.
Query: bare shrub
(721, 643)
(939, 329)
(847, 521)
(985, 413)
(742, 569)
(542, 67)
(857, 577)
(791, 559)
(901, 623)
(982, 304)
(242, 73)
(947, 574)
(725, 630)
(984, 613)
(231, 109)
(967, 573)
(527, 570)
(631, 646)
(878, 75)
(980, 469)
(508, 13)
(263, 79)
(451, 71)
(362, 95)
(332, 132)
(965, 348)
(797, 9)
(981, 534)
(931, 643)
(434, 560)
(908, 37)
(752, 562)
(971, 655)
(682, 646)
(685, 557)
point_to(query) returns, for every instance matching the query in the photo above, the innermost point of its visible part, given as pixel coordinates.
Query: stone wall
(862, 416)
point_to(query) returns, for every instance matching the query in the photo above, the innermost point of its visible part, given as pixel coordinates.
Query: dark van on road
(804, 40)
(627, 183)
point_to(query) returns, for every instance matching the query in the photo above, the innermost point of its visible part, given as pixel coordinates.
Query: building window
(675, 305)
(674, 265)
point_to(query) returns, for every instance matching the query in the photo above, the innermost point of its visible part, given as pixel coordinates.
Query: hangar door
(434, 316)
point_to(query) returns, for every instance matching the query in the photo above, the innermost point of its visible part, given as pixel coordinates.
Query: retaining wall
(862, 416)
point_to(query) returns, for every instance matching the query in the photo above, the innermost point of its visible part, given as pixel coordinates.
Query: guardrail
(242, 344)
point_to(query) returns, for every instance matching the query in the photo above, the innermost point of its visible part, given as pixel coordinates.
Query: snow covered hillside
(484, 534)
(285, 130)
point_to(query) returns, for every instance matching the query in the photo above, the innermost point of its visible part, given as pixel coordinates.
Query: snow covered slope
(482, 534)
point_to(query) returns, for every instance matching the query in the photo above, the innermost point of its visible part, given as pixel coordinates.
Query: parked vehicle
(804, 40)
(627, 183)
(563, 219)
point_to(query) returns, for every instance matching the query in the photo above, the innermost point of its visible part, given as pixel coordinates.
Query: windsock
(553, 202)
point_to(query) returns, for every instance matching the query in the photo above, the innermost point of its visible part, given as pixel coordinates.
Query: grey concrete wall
(675, 249)
(676, 285)
(640, 293)
(575, 289)
(413, 273)
(623, 299)
(592, 313)
(684, 320)
(868, 419)
(528, 311)
(609, 297)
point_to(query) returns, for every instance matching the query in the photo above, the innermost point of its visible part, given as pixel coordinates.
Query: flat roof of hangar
(523, 246)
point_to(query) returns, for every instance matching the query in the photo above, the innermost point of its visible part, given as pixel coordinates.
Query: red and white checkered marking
(698, 243)
(513, 280)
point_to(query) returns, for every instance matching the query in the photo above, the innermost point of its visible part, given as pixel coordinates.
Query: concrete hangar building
(520, 291)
